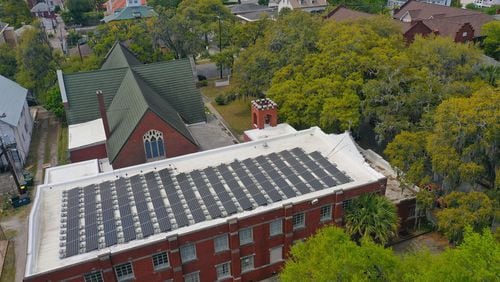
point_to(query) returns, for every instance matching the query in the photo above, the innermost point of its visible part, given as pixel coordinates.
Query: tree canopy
(372, 216)
(15, 13)
(330, 255)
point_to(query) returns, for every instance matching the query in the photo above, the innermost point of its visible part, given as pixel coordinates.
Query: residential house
(486, 3)
(131, 113)
(16, 124)
(43, 10)
(113, 5)
(251, 12)
(311, 6)
(423, 18)
(399, 3)
(133, 10)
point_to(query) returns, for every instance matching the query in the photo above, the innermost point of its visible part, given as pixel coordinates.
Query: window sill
(299, 228)
(221, 251)
(247, 270)
(325, 219)
(245, 244)
(161, 268)
(188, 261)
(275, 235)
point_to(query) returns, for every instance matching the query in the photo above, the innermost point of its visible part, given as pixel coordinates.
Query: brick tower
(264, 113)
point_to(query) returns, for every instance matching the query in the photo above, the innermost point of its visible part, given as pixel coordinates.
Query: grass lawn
(236, 114)
(62, 145)
(9, 265)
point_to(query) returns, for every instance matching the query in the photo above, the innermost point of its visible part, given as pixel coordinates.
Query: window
(221, 243)
(93, 277)
(275, 254)
(124, 272)
(275, 228)
(325, 213)
(346, 204)
(153, 144)
(160, 261)
(192, 277)
(188, 253)
(298, 221)
(246, 236)
(464, 34)
(223, 270)
(247, 263)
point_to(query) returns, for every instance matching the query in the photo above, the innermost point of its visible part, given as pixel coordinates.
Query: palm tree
(373, 216)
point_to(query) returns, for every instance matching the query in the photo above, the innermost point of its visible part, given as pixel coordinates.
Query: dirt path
(48, 127)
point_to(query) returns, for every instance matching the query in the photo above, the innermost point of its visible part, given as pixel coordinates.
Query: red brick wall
(417, 28)
(259, 117)
(133, 153)
(89, 153)
(203, 240)
(466, 29)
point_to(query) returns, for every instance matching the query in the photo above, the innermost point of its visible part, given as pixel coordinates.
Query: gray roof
(252, 182)
(129, 13)
(12, 97)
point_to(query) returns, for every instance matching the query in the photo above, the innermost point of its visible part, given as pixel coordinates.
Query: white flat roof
(45, 226)
(86, 134)
(270, 131)
(71, 171)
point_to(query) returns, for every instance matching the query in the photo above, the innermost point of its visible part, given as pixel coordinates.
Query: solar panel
(328, 166)
(175, 201)
(276, 177)
(193, 204)
(219, 189)
(108, 214)
(235, 187)
(301, 170)
(159, 207)
(290, 175)
(249, 185)
(206, 196)
(263, 181)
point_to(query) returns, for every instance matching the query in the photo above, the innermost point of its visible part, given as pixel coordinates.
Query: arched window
(153, 144)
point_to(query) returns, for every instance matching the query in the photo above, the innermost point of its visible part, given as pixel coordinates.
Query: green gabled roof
(173, 81)
(129, 13)
(119, 57)
(81, 92)
(133, 100)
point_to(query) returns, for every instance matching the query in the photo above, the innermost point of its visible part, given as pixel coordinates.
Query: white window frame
(221, 247)
(248, 268)
(94, 276)
(219, 269)
(192, 277)
(325, 216)
(299, 224)
(248, 239)
(273, 228)
(124, 277)
(183, 249)
(160, 257)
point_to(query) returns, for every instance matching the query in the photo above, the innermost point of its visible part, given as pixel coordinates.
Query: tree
(169, 4)
(408, 155)
(76, 11)
(456, 3)
(8, 64)
(463, 145)
(330, 255)
(15, 12)
(36, 67)
(491, 44)
(325, 87)
(461, 209)
(372, 216)
(476, 259)
(285, 42)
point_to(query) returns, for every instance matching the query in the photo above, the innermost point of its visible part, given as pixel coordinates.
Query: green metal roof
(167, 89)
(129, 13)
(119, 57)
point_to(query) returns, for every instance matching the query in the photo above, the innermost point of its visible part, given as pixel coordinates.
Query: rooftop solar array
(115, 212)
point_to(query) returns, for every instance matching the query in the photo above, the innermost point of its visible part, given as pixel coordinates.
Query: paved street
(58, 42)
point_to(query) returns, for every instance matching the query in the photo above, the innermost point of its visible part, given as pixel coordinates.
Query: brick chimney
(264, 113)
(102, 111)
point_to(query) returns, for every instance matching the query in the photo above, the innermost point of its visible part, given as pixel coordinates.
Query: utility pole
(220, 44)
(8, 157)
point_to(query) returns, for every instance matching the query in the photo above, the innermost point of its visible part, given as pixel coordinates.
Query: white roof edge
(62, 87)
(32, 235)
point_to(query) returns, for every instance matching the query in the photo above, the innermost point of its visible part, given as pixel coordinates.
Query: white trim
(62, 87)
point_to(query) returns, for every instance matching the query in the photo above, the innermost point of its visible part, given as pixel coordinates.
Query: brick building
(228, 214)
(131, 113)
(422, 18)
